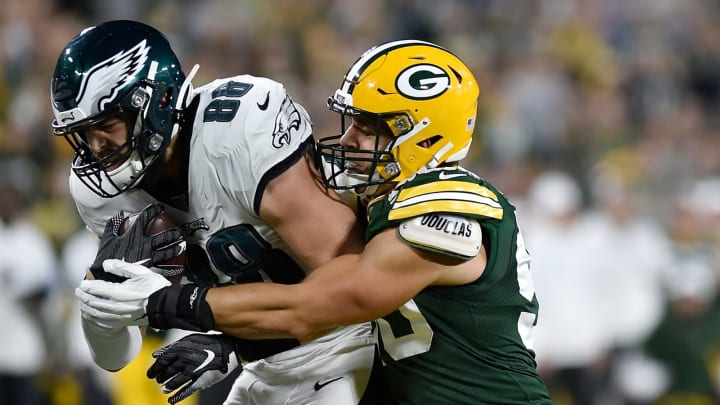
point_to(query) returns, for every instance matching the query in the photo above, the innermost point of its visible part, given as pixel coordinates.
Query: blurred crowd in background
(601, 119)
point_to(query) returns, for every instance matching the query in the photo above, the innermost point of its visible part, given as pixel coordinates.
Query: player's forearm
(250, 311)
(337, 294)
(261, 311)
(340, 293)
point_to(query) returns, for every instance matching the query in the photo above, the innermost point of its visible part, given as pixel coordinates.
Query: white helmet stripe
(369, 56)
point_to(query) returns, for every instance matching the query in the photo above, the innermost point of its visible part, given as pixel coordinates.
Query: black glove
(133, 245)
(194, 363)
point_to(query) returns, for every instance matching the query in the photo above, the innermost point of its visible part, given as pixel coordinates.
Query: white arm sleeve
(112, 351)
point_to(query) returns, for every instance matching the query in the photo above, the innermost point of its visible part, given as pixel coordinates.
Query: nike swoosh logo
(446, 176)
(210, 357)
(140, 262)
(319, 386)
(265, 104)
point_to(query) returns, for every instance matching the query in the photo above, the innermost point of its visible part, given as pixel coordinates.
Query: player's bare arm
(326, 228)
(349, 289)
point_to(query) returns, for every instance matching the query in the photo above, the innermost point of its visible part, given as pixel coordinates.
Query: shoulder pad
(448, 234)
(454, 195)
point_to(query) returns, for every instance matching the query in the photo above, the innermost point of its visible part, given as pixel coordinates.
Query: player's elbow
(112, 368)
(109, 360)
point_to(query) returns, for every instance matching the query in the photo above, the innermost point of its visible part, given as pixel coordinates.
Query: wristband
(180, 306)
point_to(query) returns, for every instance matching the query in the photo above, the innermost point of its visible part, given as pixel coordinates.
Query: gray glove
(194, 363)
(134, 246)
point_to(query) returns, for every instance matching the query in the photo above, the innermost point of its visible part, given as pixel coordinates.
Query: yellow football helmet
(425, 95)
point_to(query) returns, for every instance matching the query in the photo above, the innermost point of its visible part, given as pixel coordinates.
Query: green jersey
(468, 344)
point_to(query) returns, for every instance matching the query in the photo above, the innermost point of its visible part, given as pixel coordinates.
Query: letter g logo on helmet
(423, 81)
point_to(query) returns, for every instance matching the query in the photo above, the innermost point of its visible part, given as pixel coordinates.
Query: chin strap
(186, 91)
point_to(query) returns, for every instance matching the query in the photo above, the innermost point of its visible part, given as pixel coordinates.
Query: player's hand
(116, 305)
(193, 363)
(133, 245)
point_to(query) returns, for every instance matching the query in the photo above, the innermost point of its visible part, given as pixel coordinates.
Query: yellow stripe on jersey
(458, 207)
(446, 196)
(439, 186)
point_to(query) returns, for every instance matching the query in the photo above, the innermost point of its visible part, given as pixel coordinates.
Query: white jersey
(246, 131)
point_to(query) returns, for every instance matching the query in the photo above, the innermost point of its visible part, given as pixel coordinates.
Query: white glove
(118, 305)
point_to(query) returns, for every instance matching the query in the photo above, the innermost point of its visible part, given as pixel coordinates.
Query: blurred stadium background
(599, 118)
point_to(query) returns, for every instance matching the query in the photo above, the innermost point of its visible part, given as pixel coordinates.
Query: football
(173, 269)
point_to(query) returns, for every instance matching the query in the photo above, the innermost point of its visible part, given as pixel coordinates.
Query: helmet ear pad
(151, 143)
(151, 123)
